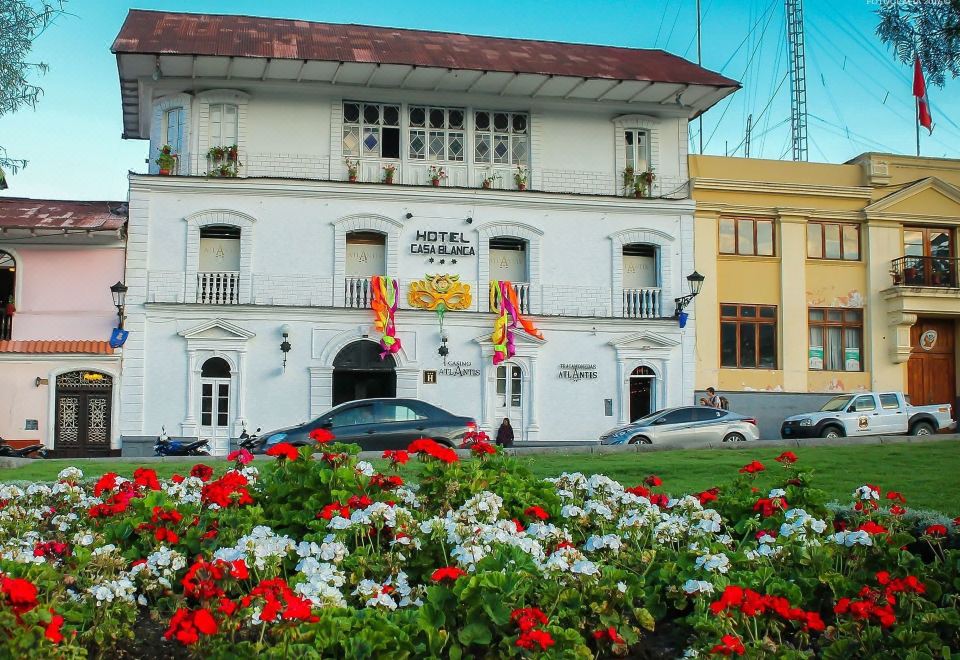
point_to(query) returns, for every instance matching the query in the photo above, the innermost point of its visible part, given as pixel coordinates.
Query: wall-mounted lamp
(157, 73)
(469, 221)
(408, 216)
(119, 293)
(285, 344)
(695, 283)
(443, 350)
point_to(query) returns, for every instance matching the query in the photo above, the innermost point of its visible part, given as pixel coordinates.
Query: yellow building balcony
(922, 287)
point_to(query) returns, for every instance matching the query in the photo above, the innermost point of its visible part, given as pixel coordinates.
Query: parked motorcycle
(32, 451)
(167, 447)
(248, 441)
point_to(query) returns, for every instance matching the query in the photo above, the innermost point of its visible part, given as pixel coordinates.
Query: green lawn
(925, 473)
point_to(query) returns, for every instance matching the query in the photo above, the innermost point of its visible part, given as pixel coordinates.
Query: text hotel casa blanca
(489, 191)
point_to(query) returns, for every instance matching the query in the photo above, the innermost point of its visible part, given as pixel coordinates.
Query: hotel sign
(442, 243)
(459, 368)
(577, 372)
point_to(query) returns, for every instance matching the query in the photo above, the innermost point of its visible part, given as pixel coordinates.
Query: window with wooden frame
(748, 336)
(833, 240)
(752, 237)
(836, 339)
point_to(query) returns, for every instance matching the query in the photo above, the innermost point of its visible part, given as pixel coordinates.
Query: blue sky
(859, 98)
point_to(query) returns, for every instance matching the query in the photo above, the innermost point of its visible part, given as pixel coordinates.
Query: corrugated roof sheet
(57, 346)
(157, 32)
(23, 213)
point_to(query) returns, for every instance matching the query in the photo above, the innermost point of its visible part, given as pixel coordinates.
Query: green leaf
(474, 633)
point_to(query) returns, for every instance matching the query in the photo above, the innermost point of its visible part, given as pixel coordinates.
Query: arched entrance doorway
(82, 426)
(642, 399)
(215, 408)
(359, 373)
(8, 280)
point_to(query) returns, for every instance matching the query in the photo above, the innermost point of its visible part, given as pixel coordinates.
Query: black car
(377, 424)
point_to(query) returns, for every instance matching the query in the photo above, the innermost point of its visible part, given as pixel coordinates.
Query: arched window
(174, 121)
(224, 124)
(508, 259)
(215, 367)
(8, 281)
(641, 281)
(642, 392)
(366, 254)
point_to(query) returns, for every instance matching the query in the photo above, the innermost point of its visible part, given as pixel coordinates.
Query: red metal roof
(57, 346)
(23, 213)
(167, 33)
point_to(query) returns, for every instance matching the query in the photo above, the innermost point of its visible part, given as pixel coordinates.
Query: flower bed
(330, 558)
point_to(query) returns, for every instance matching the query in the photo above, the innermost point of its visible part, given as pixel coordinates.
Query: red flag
(920, 91)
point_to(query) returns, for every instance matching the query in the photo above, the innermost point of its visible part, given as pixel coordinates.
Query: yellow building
(826, 278)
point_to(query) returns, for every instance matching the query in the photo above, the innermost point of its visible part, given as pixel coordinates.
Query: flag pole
(916, 103)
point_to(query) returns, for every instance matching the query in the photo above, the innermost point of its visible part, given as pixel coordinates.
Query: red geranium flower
(20, 594)
(536, 512)
(52, 629)
(534, 638)
(528, 618)
(147, 478)
(321, 436)
(729, 645)
(397, 456)
(708, 496)
(333, 509)
(447, 573)
(956, 521)
(639, 491)
(241, 456)
(610, 634)
(518, 525)
(894, 495)
(871, 527)
(482, 448)
(786, 457)
(935, 530)
(201, 472)
(106, 482)
(653, 481)
(752, 468)
(284, 450)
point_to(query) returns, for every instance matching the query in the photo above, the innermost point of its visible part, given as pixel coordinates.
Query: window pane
(371, 114)
(768, 346)
(834, 315)
(853, 338)
(768, 312)
(815, 356)
(417, 116)
(390, 148)
(455, 118)
(864, 404)
(764, 237)
(939, 243)
(455, 146)
(418, 145)
(501, 148)
(853, 315)
(351, 141)
(728, 310)
(833, 351)
(889, 401)
(913, 243)
(482, 149)
(745, 237)
(482, 121)
(229, 136)
(851, 242)
(748, 344)
(436, 144)
(351, 113)
(748, 310)
(391, 115)
(519, 143)
(816, 314)
(814, 240)
(728, 243)
(728, 344)
(354, 416)
(831, 248)
(371, 141)
(519, 123)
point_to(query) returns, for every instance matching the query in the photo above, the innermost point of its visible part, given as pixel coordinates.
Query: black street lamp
(695, 283)
(285, 344)
(119, 293)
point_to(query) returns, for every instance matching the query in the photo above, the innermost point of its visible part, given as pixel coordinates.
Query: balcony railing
(925, 271)
(218, 288)
(642, 303)
(357, 292)
(6, 325)
(522, 289)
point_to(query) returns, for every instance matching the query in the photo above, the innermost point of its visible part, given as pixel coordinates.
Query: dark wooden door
(83, 410)
(931, 371)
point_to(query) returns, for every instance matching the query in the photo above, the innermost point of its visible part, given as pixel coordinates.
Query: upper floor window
(173, 120)
(220, 248)
(224, 124)
(508, 259)
(437, 133)
(638, 150)
(371, 130)
(746, 236)
(827, 240)
(501, 138)
(366, 254)
(639, 266)
(836, 339)
(748, 336)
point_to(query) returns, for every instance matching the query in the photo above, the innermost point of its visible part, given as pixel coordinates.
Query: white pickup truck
(869, 413)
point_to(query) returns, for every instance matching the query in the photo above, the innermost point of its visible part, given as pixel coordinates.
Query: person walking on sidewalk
(711, 399)
(505, 433)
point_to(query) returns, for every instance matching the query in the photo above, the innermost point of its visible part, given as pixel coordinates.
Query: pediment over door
(928, 199)
(217, 329)
(644, 341)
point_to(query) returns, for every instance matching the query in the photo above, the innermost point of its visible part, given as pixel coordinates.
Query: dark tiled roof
(157, 32)
(23, 213)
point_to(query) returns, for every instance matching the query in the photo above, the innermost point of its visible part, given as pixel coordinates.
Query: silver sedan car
(686, 426)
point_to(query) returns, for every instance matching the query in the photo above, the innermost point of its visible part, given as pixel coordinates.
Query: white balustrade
(642, 303)
(218, 288)
(357, 292)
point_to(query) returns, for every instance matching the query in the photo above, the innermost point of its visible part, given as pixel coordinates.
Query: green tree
(930, 28)
(21, 22)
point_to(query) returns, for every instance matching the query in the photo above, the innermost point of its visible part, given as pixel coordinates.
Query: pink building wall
(65, 293)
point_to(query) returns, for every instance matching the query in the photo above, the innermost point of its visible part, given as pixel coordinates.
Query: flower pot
(910, 273)
(10, 309)
(486, 185)
(521, 186)
(388, 179)
(638, 194)
(353, 178)
(164, 172)
(435, 182)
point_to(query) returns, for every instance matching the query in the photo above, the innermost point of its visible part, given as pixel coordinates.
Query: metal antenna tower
(746, 138)
(798, 79)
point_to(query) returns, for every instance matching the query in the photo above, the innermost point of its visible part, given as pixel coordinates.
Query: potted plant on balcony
(436, 174)
(647, 178)
(388, 172)
(353, 168)
(223, 161)
(520, 177)
(166, 160)
(629, 178)
(488, 181)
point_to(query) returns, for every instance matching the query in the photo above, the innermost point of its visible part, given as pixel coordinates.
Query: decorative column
(533, 426)
(241, 419)
(794, 358)
(189, 426)
(623, 391)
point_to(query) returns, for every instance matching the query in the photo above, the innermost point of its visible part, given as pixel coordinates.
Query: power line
(766, 107)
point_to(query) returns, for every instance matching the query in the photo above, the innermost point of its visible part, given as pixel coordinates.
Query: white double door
(509, 400)
(215, 413)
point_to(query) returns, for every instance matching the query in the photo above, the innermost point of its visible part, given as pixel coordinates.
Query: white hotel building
(218, 268)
